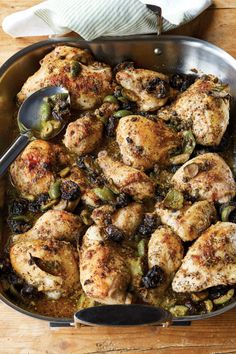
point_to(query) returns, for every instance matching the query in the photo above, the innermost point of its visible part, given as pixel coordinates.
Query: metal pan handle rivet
(157, 51)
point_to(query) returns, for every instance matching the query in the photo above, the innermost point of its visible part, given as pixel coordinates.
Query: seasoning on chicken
(129, 180)
(210, 261)
(126, 219)
(51, 266)
(54, 224)
(190, 221)
(206, 177)
(144, 142)
(165, 250)
(87, 80)
(83, 135)
(104, 274)
(149, 89)
(34, 170)
(205, 107)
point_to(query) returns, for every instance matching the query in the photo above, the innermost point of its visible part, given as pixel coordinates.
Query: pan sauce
(65, 307)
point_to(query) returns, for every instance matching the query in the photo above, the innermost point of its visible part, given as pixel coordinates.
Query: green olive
(48, 205)
(141, 248)
(122, 99)
(122, 113)
(136, 267)
(21, 218)
(226, 212)
(75, 68)
(59, 96)
(224, 298)
(45, 111)
(110, 99)
(85, 216)
(54, 190)
(63, 173)
(105, 194)
(179, 310)
(49, 127)
(174, 199)
(209, 305)
(189, 142)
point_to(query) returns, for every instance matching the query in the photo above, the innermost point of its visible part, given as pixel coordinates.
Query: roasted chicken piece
(83, 135)
(190, 221)
(104, 274)
(210, 261)
(54, 224)
(148, 88)
(166, 251)
(51, 266)
(126, 219)
(143, 142)
(205, 107)
(88, 81)
(35, 169)
(207, 177)
(129, 180)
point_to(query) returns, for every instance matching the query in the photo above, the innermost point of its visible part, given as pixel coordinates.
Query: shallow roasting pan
(168, 54)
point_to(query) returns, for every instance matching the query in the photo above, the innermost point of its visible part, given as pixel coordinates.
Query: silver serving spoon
(29, 121)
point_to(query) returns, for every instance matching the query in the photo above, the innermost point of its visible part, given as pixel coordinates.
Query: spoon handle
(11, 154)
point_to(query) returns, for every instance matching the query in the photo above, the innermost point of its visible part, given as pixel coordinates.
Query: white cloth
(95, 18)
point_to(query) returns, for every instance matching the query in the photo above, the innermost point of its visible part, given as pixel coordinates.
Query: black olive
(193, 308)
(28, 291)
(158, 87)
(111, 126)
(69, 190)
(122, 200)
(18, 207)
(18, 226)
(130, 106)
(154, 277)
(148, 225)
(182, 81)
(35, 205)
(190, 198)
(217, 291)
(14, 279)
(114, 233)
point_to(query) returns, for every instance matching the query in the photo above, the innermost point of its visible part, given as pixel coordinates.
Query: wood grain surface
(23, 335)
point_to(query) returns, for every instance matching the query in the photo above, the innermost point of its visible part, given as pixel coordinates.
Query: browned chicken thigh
(190, 221)
(148, 88)
(144, 142)
(210, 261)
(34, 170)
(103, 272)
(83, 135)
(207, 177)
(127, 179)
(205, 107)
(54, 224)
(87, 80)
(51, 266)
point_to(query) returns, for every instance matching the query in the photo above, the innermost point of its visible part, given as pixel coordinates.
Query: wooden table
(24, 335)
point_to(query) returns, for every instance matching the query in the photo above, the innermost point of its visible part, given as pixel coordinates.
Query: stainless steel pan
(166, 54)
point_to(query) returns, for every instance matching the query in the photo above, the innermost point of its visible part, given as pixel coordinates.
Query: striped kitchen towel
(95, 18)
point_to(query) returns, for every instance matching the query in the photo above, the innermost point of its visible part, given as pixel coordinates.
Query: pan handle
(157, 11)
(123, 315)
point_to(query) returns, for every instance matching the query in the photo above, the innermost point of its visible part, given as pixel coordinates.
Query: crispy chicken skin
(205, 107)
(165, 250)
(83, 135)
(149, 89)
(34, 170)
(54, 224)
(144, 142)
(190, 221)
(210, 261)
(126, 219)
(51, 266)
(207, 177)
(129, 180)
(103, 272)
(87, 81)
